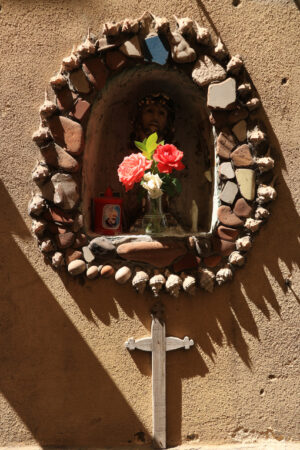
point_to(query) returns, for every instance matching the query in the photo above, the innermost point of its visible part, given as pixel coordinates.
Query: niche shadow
(48, 374)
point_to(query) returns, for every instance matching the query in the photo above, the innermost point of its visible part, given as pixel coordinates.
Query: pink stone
(242, 208)
(227, 234)
(71, 255)
(188, 261)
(65, 240)
(80, 240)
(242, 157)
(67, 133)
(80, 81)
(65, 99)
(223, 247)
(227, 217)
(159, 254)
(56, 156)
(225, 144)
(81, 110)
(95, 71)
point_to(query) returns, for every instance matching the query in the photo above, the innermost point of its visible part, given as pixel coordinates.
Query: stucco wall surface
(65, 376)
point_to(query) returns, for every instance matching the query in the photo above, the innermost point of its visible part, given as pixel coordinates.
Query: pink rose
(132, 169)
(168, 157)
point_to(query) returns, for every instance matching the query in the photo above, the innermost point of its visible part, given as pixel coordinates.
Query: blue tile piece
(156, 50)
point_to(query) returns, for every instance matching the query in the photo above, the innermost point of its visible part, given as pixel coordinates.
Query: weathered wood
(158, 344)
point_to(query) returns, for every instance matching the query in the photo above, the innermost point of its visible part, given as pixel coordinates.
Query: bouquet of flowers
(152, 168)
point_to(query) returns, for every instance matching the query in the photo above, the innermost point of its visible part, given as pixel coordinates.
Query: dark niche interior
(109, 140)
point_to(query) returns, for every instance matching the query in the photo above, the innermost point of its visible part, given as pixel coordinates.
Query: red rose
(132, 169)
(168, 158)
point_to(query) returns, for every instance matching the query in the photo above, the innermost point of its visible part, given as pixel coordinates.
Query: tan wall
(65, 377)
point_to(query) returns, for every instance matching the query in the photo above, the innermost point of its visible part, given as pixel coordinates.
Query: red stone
(222, 247)
(80, 240)
(65, 240)
(58, 215)
(115, 60)
(56, 156)
(71, 255)
(67, 133)
(242, 157)
(237, 115)
(212, 261)
(65, 99)
(242, 208)
(95, 71)
(225, 143)
(227, 217)
(228, 234)
(159, 254)
(188, 261)
(107, 271)
(81, 110)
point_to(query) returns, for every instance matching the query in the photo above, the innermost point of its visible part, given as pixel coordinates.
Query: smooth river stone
(242, 208)
(242, 157)
(57, 157)
(159, 254)
(227, 234)
(221, 95)
(92, 272)
(107, 271)
(240, 130)
(246, 182)
(76, 267)
(229, 192)
(101, 246)
(225, 144)
(122, 275)
(227, 217)
(67, 133)
(226, 171)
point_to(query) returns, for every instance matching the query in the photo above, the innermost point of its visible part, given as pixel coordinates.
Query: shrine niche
(92, 124)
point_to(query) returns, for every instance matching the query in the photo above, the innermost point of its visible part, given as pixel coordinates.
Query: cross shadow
(48, 374)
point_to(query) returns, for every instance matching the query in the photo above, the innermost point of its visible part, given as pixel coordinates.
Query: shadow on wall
(48, 374)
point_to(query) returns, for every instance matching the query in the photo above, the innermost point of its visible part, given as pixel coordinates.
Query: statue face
(154, 118)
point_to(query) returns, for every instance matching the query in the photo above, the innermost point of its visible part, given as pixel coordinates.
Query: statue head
(155, 114)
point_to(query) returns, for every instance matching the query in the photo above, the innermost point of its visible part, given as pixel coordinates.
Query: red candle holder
(108, 213)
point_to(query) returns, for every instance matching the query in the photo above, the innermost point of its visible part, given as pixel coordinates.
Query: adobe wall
(65, 377)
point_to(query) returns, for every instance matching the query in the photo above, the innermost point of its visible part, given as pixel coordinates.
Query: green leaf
(140, 145)
(161, 143)
(151, 143)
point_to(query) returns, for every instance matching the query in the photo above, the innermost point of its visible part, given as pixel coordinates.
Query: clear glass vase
(155, 221)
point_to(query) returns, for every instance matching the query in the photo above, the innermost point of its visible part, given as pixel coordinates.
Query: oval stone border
(245, 178)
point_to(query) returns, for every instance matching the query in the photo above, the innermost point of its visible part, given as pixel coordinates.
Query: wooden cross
(159, 344)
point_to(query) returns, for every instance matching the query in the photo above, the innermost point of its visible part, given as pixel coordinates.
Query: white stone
(206, 70)
(65, 190)
(221, 95)
(92, 272)
(244, 243)
(76, 267)
(122, 275)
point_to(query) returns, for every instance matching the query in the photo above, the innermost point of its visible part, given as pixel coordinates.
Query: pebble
(58, 259)
(227, 217)
(261, 213)
(227, 234)
(58, 215)
(65, 99)
(92, 272)
(237, 114)
(76, 267)
(132, 48)
(100, 246)
(80, 240)
(36, 205)
(96, 72)
(246, 182)
(240, 130)
(57, 157)
(122, 275)
(46, 246)
(229, 192)
(235, 64)
(256, 135)
(41, 173)
(107, 271)
(222, 95)
(242, 208)
(87, 254)
(80, 81)
(65, 240)
(67, 133)
(207, 70)
(236, 259)
(226, 171)
(242, 157)
(81, 110)
(181, 51)
(243, 243)
(71, 254)
(225, 143)
(65, 190)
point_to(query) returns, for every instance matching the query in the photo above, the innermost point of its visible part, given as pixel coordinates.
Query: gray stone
(229, 192)
(132, 48)
(207, 70)
(87, 254)
(226, 171)
(66, 192)
(102, 247)
(221, 95)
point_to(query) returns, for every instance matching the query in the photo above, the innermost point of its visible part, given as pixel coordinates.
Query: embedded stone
(212, 261)
(56, 156)
(67, 133)
(41, 173)
(181, 51)
(229, 192)
(46, 246)
(80, 81)
(223, 247)
(235, 64)
(123, 274)
(242, 208)
(159, 254)
(225, 143)
(89, 257)
(58, 215)
(244, 243)
(132, 48)
(227, 217)
(56, 229)
(71, 255)
(100, 246)
(115, 60)
(103, 45)
(242, 157)
(237, 114)
(187, 262)
(240, 130)
(107, 271)
(78, 223)
(227, 234)
(80, 240)
(226, 171)
(58, 260)
(222, 95)
(246, 182)
(156, 51)
(81, 110)
(65, 240)
(96, 72)
(207, 70)
(76, 267)
(65, 190)
(92, 272)
(65, 99)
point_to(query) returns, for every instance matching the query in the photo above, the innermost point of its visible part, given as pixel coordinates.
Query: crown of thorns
(160, 98)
